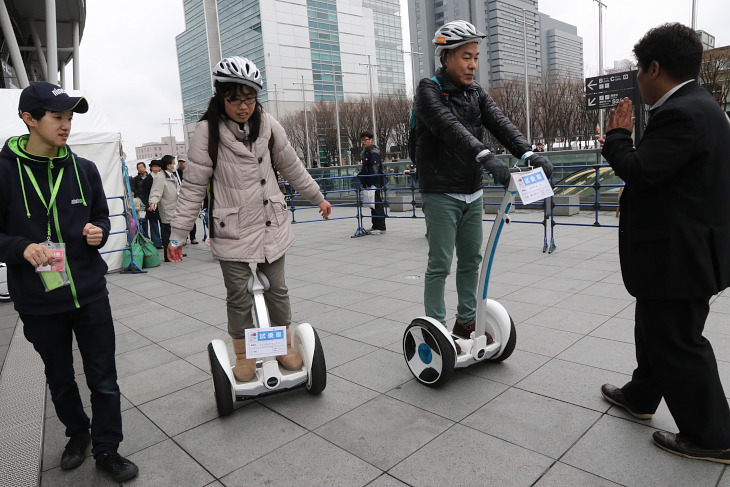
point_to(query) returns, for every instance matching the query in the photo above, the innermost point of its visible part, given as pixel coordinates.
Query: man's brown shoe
(615, 396)
(465, 329)
(677, 444)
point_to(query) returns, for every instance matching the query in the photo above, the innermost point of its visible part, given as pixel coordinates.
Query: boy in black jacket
(48, 196)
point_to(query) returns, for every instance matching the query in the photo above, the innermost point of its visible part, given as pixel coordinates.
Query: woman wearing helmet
(233, 152)
(450, 155)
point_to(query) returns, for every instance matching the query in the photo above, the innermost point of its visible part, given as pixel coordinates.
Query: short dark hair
(676, 47)
(38, 113)
(367, 133)
(143, 164)
(167, 159)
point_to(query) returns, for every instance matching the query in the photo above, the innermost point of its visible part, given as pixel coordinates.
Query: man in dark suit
(674, 242)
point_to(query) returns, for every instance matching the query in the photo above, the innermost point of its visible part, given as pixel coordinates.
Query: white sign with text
(265, 342)
(532, 185)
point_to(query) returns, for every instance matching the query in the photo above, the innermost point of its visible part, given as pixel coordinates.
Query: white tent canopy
(93, 137)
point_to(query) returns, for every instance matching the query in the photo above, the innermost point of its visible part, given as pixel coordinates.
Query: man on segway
(450, 110)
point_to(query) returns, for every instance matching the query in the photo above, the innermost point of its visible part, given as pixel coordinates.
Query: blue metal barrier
(346, 191)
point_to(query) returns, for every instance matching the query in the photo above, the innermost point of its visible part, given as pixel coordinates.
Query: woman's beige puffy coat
(164, 194)
(250, 218)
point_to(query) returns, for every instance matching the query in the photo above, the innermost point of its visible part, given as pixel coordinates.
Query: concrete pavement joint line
(530, 377)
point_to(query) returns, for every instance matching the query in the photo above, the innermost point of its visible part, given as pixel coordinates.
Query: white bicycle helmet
(237, 69)
(454, 34)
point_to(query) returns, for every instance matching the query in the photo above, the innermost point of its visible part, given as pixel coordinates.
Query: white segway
(270, 378)
(428, 345)
(4, 293)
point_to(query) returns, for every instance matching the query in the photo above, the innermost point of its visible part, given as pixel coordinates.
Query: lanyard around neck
(54, 193)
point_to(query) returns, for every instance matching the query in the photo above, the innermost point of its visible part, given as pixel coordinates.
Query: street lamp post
(601, 6)
(276, 101)
(527, 79)
(306, 123)
(372, 99)
(413, 55)
(337, 117)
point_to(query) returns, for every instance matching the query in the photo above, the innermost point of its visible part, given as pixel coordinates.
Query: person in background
(139, 207)
(163, 197)
(371, 176)
(237, 148)
(450, 156)
(138, 188)
(674, 254)
(50, 197)
(540, 147)
(152, 215)
(181, 162)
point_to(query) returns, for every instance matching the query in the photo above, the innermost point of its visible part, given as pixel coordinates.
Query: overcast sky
(129, 62)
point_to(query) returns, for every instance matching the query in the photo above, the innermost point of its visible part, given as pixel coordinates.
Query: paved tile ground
(536, 419)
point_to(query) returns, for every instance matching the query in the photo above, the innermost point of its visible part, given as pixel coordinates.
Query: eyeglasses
(236, 102)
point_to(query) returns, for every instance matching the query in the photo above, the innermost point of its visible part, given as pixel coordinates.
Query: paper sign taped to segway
(532, 185)
(265, 342)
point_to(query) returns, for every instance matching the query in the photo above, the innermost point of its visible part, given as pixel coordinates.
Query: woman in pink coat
(232, 156)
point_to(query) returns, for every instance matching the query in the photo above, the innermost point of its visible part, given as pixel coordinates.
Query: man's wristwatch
(175, 243)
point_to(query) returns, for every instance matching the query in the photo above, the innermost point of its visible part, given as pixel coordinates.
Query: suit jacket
(674, 230)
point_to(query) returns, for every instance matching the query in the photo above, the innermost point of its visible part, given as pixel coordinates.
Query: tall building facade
(513, 38)
(307, 50)
(562, 48)
(388, 44)
(516, 37)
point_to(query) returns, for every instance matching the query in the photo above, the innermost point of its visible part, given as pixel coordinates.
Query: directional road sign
(611, 82)
(608, 99)
(606, 91)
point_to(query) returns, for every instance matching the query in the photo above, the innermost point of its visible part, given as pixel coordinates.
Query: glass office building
(324, 42)
(388, 44)
(301, 48)
(193, 62)
(550, 48)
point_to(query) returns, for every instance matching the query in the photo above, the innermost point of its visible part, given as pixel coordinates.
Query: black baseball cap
(42, 94)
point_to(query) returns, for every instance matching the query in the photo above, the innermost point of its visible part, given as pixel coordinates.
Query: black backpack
(412, 131)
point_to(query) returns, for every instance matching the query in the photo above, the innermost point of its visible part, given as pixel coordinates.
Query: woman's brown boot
(245, 368)
(292, 360)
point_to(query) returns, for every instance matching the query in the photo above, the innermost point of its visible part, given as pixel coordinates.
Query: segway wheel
(429, 354)
(318, 379)
(4, 293)
(511, 342)
(221, 384)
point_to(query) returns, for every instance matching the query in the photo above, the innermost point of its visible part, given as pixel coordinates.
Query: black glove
(497, 168)
(536, 160)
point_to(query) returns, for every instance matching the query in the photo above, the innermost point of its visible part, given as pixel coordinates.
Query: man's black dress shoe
(677, 444)
(615, 396)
